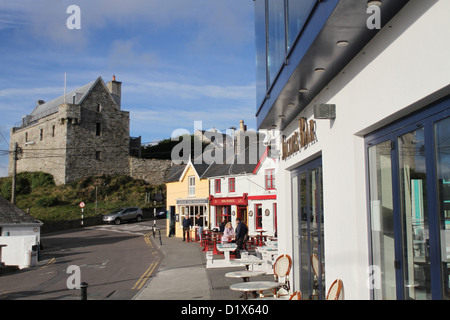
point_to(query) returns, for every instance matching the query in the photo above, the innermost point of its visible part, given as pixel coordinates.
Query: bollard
(83, 287)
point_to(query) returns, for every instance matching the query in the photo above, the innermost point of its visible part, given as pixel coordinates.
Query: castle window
(97, 155)
(98, 129)
(53, 131)
(26, 136)
(41, 134)
(99, 107)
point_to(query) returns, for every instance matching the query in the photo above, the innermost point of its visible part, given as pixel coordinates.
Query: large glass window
(276, 37)
(277, 26)
(442, 150)
(261, 54)
(298, 12)
(414, 215)
(309, 257)
(409, 180)
(381, 202)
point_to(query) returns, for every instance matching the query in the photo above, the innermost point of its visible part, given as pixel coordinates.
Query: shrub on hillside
(47, 201)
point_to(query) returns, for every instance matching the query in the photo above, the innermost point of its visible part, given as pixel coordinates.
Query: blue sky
(179, 61)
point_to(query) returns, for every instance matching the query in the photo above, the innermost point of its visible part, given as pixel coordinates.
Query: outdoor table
(226, 249)
(256, 286)
(268, 254)
(245, 275)
(248, 261)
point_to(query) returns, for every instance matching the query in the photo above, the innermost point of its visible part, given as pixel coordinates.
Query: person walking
(241, 236)
(200, 223)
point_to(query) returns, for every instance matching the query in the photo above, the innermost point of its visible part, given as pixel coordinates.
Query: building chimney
(115, 89)
(242, 127)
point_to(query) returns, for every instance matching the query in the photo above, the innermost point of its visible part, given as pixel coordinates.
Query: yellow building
(187, 193)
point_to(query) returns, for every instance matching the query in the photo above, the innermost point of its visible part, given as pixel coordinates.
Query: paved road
(115, 261)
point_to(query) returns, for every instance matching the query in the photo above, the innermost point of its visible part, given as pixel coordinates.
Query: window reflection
(382, 219)
(261, 59)
(414, 213)
(276, 35)
(298, 12)
(278, 24)
(442, 151)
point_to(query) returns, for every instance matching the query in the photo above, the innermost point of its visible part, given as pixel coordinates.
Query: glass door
(442, 155)
(382, 221)
(409, 181)
(308, 229)
(415, 231)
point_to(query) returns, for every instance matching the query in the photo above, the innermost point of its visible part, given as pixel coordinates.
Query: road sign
(82, 204)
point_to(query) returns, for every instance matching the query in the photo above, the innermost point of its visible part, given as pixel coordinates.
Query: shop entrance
(309, 258)
(242, 213)
(409, 174)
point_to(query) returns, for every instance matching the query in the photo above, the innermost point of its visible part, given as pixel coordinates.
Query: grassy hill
(37, 193)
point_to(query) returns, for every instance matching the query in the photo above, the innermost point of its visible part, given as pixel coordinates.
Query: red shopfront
(228, 209)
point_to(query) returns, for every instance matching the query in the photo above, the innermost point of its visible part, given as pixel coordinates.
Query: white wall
(18, 251)
(404, 68)
(21, 230)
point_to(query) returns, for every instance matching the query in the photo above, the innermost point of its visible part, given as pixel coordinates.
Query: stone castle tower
(79, 134)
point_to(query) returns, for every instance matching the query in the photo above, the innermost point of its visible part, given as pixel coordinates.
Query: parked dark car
(161, 214)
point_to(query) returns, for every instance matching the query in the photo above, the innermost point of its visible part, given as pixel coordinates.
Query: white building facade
(364, 116)
(249, 194)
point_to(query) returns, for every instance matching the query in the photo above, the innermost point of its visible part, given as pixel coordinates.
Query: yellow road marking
(143, 279)
(52, 260)
(148, 240)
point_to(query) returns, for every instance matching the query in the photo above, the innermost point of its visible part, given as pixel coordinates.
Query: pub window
(258, 216)
(217, 186)
(231, 185)
(98, 128)
(270, 179)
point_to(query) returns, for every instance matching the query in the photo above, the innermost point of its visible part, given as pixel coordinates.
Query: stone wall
(43, 147)
(151, 170)
(100, 143)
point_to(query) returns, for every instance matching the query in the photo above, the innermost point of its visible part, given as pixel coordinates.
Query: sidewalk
(183, 275)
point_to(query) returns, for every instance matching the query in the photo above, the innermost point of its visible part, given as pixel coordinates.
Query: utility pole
(13, 185)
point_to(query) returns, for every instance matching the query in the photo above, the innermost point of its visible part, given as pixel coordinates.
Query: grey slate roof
(10, 214)
(50, 107)
(208, 170)
(175, 172)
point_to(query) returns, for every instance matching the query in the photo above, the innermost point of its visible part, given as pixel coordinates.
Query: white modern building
(360, 94)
